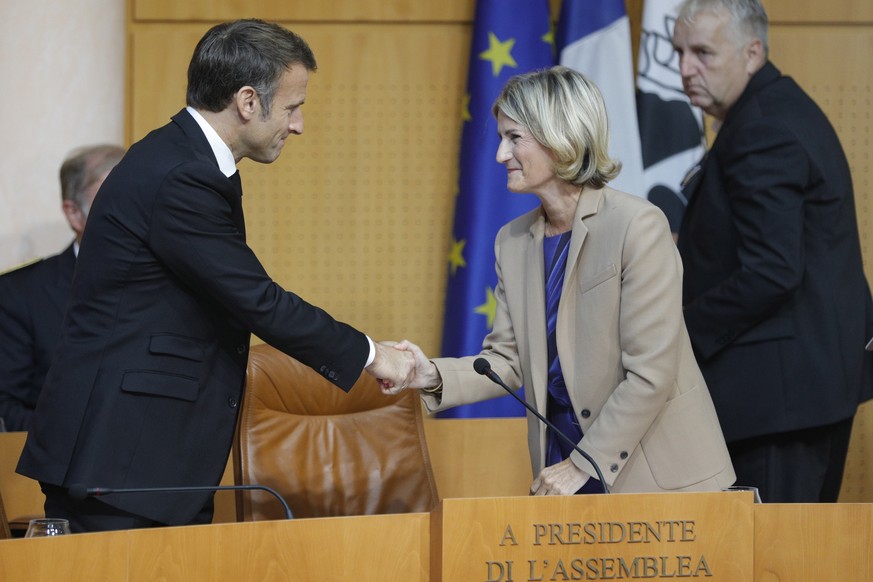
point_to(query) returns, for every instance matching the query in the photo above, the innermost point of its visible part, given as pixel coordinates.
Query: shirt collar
(223, 155)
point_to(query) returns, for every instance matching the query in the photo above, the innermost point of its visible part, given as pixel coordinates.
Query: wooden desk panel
(369, 548)
(814, 542)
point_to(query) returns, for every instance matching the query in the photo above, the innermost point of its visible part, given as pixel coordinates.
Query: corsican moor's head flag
(671, 130)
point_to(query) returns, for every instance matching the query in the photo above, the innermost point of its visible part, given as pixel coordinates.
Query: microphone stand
(481, 366)
(79, 492)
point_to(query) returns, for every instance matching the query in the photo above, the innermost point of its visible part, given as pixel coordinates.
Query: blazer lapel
(536, 312)
(589, 202)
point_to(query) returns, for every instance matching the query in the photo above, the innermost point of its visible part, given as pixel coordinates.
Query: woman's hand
(425, 373)
(563, 478)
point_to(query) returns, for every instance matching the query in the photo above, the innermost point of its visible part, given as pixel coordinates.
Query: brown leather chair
(327, 452)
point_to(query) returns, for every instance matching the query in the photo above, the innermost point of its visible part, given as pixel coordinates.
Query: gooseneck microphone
(79, 492)
(482, 367)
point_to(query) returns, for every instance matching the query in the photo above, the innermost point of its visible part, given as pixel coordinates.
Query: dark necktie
(238, 217)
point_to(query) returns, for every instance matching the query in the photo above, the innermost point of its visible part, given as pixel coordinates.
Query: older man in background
(33, 296)
(775, 298)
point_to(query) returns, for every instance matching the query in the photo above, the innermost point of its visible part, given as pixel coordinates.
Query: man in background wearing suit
(33, 297)
(775, 297)
(146, 385)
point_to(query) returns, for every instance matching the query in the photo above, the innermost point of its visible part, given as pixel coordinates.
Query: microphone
(482, 367)
(80, 492)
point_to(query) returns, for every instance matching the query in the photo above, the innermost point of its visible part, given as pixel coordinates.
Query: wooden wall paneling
(159, 57)
(858, 475)
(832, 64)
(305, 10)
(814, 11)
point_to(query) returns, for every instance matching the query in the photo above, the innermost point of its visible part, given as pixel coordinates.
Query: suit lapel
(195, 135)
(204, 151)
(58, 288)
(693, 180)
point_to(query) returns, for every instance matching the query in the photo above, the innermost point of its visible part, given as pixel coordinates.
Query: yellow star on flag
(456, 255)
(489, 308)
(465, 108)
(549, 37)
(499, 53)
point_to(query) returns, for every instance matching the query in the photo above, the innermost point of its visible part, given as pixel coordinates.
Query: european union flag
(509, 37)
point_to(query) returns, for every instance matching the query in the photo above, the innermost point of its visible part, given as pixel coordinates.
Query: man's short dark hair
(234, 54)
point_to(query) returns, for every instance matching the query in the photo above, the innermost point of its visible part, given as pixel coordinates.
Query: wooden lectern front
(667, 536)
(594, 537)
(334, 549)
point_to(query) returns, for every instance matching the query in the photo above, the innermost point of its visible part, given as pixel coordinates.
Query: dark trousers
(802, 466)
(91, 514)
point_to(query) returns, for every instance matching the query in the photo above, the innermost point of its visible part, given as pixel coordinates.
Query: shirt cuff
(372, 355)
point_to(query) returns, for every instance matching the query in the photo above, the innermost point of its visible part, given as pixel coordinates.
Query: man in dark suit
(33, 297)
(147, 381)
(776, 301)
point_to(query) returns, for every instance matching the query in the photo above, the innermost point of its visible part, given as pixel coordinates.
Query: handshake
(401, 365)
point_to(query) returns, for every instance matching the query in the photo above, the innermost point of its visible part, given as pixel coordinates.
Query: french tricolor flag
(593, 37)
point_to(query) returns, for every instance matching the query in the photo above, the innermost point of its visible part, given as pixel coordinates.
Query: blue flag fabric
(509, 37)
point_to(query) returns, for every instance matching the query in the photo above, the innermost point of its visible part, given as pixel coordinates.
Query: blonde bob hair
(565, 113)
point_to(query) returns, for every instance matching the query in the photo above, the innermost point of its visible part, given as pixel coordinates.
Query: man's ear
(248, 104)
(755, 56)
(75, 217)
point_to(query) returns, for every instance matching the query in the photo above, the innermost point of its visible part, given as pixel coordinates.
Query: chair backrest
(327, 452)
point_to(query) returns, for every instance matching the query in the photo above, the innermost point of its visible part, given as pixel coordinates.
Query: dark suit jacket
(774, 291)
(147, 382)
(32, 302)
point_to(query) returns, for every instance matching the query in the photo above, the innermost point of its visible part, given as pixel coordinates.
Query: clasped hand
(402, 365)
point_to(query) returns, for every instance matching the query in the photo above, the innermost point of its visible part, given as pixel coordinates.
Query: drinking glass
(47, 527)
(754, 490)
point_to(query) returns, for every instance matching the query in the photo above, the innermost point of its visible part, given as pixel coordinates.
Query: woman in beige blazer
(621, 374)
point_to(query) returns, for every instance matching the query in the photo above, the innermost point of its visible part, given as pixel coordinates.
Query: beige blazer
(644, 408)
